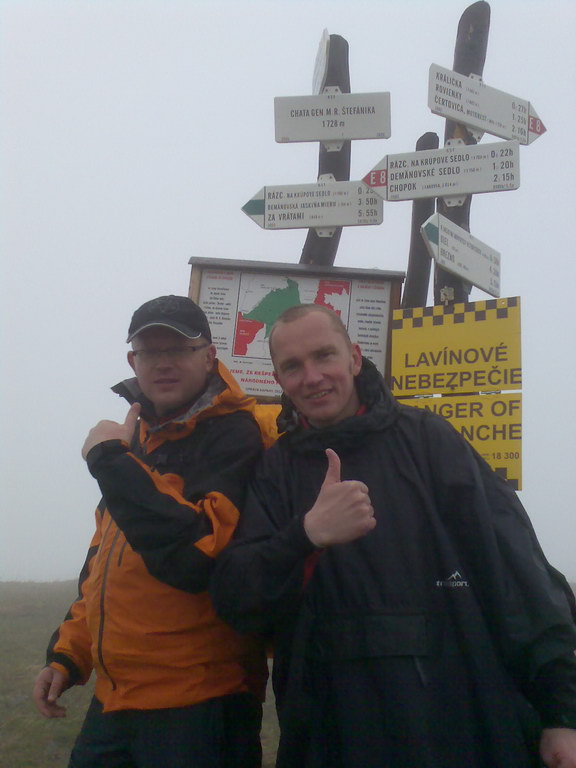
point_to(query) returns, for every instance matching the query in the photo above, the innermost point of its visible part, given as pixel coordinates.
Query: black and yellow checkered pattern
(452, 314)
(512, 481)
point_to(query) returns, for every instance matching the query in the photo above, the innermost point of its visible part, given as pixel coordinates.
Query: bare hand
(558, 747)
(48, 686)
(343, 511)
(111, 430)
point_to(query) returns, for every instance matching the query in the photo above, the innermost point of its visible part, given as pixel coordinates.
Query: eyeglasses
(172, 354)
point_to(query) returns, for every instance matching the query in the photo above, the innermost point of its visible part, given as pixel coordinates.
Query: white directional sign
(321, 63)
(458, 252)
(324, 204)
(467, 100)
(458, 169)
(332, 116)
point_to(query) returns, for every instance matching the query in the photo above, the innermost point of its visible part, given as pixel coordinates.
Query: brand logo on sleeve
(454, 581)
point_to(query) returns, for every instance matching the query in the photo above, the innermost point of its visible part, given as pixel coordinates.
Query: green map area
(269, 309)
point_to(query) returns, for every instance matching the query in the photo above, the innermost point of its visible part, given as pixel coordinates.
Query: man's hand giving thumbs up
(112, 430)
(342, 512)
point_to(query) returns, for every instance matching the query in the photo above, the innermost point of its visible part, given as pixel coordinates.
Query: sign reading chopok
(243, 299)
(470, 351)
(453, 170)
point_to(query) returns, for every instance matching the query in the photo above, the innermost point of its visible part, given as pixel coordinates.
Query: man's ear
(131, 359)
(210, 357)
(356, 359)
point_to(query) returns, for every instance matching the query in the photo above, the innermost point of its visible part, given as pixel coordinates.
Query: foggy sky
(131, 135)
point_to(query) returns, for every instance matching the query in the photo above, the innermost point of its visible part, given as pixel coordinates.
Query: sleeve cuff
(300, 538)
(107, 448)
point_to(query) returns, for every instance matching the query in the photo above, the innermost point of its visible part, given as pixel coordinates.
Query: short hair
(301, 310)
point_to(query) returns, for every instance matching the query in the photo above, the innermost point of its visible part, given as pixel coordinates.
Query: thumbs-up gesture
(112, 430)
(343, 510)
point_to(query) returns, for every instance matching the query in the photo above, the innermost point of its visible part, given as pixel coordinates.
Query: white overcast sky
(132, 133)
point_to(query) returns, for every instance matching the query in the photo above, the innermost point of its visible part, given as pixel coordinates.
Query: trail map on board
(243, 307)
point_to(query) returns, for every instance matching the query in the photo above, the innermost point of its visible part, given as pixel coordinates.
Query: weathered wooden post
(322, 250)
(418, 272)
(469, 58)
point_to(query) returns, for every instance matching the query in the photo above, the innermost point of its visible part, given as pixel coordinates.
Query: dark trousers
(220, 733)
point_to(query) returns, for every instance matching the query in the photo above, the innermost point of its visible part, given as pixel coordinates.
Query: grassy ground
(29, 612)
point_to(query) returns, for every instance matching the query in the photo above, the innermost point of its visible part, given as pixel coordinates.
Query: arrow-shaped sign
(457, 169)
(321, 205)
(454, 249)
(467, 100)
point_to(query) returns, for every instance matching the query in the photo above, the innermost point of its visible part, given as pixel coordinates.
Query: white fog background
(131, 133)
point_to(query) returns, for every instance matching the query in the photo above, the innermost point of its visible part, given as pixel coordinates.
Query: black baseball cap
(177, 312)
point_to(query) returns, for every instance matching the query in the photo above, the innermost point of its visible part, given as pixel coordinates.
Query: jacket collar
(221, 395)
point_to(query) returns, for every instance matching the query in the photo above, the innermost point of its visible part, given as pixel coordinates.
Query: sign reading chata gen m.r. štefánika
(332, 116)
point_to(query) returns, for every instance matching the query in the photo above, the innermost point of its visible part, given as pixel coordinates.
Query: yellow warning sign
(492, 423)
(467, 347)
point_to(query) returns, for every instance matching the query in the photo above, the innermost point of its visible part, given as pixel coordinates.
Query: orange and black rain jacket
(143, 619)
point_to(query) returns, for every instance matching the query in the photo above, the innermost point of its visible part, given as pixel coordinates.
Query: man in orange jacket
(175, 685)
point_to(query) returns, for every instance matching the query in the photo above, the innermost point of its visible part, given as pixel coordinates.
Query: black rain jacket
(442, 639)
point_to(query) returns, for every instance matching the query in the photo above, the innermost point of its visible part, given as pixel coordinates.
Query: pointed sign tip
(254, 207)
(430, 231)
(535, 126)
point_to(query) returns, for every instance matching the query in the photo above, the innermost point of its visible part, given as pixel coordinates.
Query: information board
(242, 300)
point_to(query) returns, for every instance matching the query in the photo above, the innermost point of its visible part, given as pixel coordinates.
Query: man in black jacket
(416, 621)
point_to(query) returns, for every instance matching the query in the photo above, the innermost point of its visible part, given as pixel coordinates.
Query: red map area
(246, 331)
(328, 287)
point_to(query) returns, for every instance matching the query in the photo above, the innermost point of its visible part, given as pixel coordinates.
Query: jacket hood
(381, 412)
(222, 395)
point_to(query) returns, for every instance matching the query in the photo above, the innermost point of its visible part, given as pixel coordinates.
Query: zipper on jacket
(421, 670)
(102, 611)
(121, 555)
